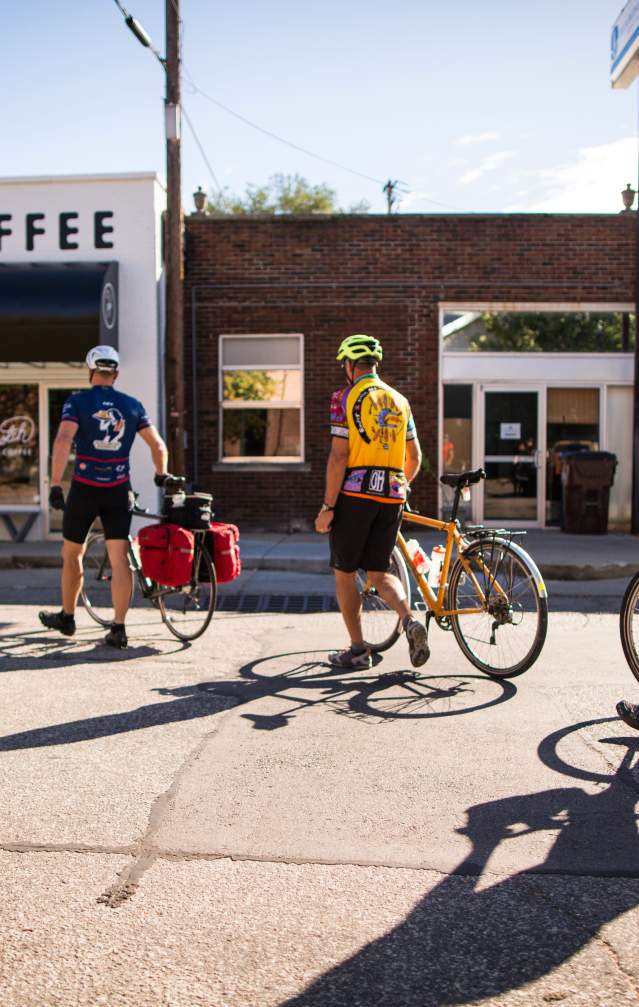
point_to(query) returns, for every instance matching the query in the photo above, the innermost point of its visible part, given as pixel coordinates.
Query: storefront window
(572, 425)
(261, 397)
(19, 446)
(457, 442)
(538, 332)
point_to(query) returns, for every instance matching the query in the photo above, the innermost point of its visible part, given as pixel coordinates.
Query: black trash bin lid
(589, 456)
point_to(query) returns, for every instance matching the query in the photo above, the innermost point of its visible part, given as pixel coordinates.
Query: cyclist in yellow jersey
(374, 456)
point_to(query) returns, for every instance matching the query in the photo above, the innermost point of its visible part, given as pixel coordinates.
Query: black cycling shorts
(363, 534)
(112, 504)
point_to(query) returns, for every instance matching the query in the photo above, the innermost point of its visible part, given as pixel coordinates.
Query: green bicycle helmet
(354, 347)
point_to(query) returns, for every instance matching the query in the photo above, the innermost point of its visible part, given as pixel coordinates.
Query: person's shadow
(463, 944)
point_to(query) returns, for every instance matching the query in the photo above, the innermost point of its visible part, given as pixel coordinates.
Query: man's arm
(335, 470)
(61, 450)
(158, 448)
(413, 461)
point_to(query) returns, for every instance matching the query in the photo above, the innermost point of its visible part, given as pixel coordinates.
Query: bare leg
(350, 604)
(122, 577)
(72, 573)
(389, 588)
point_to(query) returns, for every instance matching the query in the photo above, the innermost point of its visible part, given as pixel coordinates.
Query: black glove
(56, 498)
(160, 478)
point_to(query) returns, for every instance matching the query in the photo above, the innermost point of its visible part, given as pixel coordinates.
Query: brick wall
(328, 277)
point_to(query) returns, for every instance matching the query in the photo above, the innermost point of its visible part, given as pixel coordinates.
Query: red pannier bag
(166, 553)
(222, 541)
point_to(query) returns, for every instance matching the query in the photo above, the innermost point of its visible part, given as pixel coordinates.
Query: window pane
(263, 386)
(263, 352)
(572, 425)
(538, 331)
(458, 428)
(19, 445)
(261, 433)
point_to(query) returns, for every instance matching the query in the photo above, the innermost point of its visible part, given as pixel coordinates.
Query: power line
(201, 149)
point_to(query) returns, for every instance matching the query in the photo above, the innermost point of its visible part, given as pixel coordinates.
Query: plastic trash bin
(586, 478)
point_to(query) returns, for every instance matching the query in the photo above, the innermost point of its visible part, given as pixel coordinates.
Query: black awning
(52, 311)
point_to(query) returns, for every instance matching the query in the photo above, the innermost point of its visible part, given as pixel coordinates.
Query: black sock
(406, 620)
(358, 648)
(66, 617)
(117, 625)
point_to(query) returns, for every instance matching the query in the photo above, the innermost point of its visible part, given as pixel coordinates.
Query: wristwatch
(325, 507)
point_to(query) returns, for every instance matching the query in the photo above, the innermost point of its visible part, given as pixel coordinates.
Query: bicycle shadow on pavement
(37, 649)
(464, 943)
(340, 692)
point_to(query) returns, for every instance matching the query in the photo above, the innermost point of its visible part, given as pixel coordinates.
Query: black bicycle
(186, 610)
(629, 625)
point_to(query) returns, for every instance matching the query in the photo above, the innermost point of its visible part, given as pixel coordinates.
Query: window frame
(252, 460)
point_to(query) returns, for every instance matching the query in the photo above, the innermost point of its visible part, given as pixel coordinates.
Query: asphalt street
(234, 823)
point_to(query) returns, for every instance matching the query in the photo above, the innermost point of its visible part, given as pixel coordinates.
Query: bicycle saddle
(455, 479)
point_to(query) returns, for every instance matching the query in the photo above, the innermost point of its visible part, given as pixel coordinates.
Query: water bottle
(436, 563)
(420, 560)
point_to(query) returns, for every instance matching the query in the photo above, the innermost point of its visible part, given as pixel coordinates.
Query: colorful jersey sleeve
(143, 419)
(339, 419)
(70, 410)
(411, 429)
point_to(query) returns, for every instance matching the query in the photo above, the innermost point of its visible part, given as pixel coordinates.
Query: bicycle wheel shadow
(464, 943)
(318, 683)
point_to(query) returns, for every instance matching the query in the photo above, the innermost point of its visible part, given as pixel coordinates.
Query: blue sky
(479, 107)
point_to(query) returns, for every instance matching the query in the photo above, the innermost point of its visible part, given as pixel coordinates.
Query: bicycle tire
(628, 605)
(98, 598)
(378, 619)
(170, 616)
(478, 634)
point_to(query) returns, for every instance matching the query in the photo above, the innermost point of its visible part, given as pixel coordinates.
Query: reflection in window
(457, 441)
(19, 445)
(572, 425)
(539, 332)
(261, 398)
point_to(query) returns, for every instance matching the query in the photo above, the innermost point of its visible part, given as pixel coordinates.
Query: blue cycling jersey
(107, 421)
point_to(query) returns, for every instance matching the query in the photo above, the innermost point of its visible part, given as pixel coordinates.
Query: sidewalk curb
(292, 564)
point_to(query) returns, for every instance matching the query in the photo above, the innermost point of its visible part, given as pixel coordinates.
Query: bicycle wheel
(380, 624)
(96, 586)
(188, 610)
(629, 625)
(506, 637)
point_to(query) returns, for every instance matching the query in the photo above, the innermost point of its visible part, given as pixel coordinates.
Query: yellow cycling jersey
(377, 421)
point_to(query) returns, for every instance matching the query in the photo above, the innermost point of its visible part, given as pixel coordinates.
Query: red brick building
(321, 278)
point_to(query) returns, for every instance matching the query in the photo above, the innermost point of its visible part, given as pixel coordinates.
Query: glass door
(56, 397)
(512, 457)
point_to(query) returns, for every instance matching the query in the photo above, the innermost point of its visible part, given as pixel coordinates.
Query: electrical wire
(197, 90)
(201, 149)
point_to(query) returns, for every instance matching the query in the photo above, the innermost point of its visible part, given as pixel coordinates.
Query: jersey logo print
(113, 425)
(377, 417)
(376, 481)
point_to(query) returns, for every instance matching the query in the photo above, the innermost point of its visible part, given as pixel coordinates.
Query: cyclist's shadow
(463, 944)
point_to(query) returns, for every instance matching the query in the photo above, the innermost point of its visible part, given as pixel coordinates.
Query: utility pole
(173, 246)
(391, 198)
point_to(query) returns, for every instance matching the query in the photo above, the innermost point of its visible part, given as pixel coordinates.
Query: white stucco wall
(136, 201)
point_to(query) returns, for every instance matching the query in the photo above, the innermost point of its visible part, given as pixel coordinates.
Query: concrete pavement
(234, 823)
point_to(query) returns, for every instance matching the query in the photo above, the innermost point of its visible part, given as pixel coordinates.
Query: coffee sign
(34, 225)
(17, 437)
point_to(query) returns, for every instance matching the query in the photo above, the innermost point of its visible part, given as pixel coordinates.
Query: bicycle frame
(454, 538)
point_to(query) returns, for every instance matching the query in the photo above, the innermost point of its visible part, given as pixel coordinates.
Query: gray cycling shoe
(349, 659)
(418, 648)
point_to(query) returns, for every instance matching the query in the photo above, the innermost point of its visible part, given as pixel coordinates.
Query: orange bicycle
(490, 593)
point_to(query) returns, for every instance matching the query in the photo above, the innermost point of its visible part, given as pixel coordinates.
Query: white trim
(251, 404)
(119, 176)
(538, 307)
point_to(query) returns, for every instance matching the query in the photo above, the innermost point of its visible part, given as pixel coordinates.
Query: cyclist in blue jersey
(103, 423)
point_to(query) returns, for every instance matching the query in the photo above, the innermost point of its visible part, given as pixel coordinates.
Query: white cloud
(469, 138)
(408, 200)
(592, 183)
(490, 163)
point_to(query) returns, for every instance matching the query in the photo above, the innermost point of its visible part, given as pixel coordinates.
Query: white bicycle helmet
(103, 358)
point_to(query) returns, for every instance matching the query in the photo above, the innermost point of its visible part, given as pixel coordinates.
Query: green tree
(251, 386)
(282, 194)
(552, 332)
